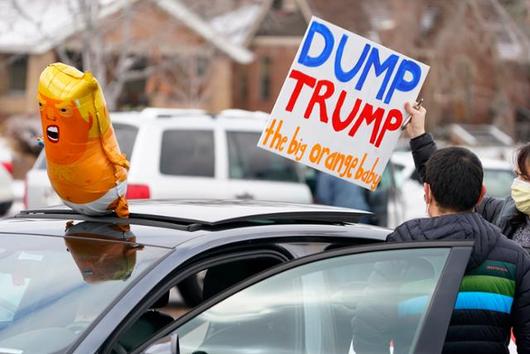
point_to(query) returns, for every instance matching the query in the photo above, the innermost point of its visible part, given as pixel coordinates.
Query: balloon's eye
(65, 111)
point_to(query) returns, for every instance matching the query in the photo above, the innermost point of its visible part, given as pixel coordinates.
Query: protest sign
(341, 108)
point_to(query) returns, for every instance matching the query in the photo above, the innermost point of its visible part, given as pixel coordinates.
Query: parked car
(76, 290)
(190, 154)
(7, 193)
(407, 201)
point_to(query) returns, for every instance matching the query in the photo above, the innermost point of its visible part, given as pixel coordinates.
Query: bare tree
(105, 43)
(462, 41)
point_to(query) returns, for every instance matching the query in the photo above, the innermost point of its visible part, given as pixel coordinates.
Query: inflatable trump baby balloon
(84, 162)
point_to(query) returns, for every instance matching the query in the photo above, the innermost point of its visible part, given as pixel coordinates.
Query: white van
(176, 153)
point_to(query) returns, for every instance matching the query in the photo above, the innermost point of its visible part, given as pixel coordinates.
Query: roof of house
(235, 19)
(36, 26)
(348, 14)
(283, 23)
(238, 23)
(203, 28)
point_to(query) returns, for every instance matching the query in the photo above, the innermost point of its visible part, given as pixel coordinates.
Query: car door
(386, 298)
(253, 173)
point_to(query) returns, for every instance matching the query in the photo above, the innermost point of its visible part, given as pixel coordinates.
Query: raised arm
(423, 146)
(421, 143)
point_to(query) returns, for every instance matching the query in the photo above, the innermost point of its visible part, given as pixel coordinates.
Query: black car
(272, 278)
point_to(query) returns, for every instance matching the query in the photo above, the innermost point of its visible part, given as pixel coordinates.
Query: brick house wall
(20, 102)
(257, 85)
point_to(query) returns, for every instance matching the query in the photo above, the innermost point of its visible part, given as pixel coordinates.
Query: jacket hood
(464, 226)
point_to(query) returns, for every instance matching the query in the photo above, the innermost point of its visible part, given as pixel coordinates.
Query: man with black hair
(495, 291)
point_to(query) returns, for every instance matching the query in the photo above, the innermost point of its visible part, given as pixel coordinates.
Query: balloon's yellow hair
(65, 83)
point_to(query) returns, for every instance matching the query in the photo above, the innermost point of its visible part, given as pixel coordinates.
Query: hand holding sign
(417, 120)
(341, 107)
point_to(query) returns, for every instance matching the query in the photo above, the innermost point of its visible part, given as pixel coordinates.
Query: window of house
(17, 71)
(265, 79)
(75, 59)
(463, 88)
(133, 92)
(243, 87)
(201, 65)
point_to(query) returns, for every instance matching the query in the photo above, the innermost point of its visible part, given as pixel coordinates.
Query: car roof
(402, 157)
(191, 215)
(231, 119)
(405, 158)
(181, 220)
(496, 164)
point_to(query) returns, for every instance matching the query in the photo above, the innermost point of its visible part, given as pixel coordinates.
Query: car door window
(247, 161)
(187, 153)
(364, 303)
(194, 289)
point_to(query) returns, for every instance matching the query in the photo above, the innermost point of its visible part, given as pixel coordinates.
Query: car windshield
(54, 288)
(247, 161)
(125, 134)
(498, 182)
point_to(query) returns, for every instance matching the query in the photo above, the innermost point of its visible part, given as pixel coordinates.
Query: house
(150, 52)
(237, 53)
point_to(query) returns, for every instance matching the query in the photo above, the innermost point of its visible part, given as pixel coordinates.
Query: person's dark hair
(455, 176)
(523, 156)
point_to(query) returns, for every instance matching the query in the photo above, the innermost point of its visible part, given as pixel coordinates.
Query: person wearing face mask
(516, 219)
(511, 214)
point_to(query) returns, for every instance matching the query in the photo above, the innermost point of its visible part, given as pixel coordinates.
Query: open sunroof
(196, 215)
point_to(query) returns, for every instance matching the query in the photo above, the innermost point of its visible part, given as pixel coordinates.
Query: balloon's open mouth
(52, 133)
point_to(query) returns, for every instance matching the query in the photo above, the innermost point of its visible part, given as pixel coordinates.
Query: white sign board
(341, 108)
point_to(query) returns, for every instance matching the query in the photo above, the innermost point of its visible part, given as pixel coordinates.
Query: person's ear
(483, 192)
(427, 193)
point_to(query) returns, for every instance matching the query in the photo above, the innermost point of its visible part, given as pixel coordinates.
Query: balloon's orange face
(65, 131)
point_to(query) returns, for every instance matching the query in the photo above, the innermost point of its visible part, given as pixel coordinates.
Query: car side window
(126, 136)
(247, 161)
(188, 153)
(363, 303)
(193, 290)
